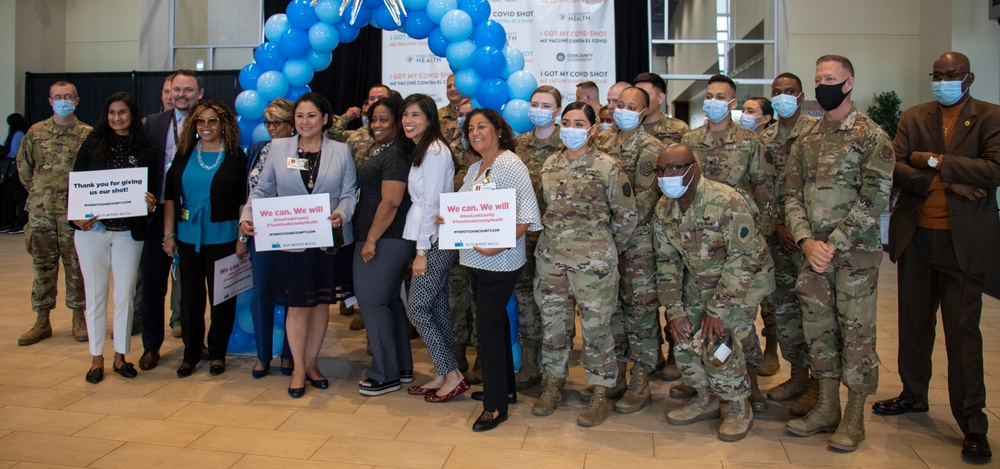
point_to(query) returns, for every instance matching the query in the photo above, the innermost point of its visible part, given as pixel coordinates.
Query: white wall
(102, 35)
(8, 68)
(974, 35)
(40, 40)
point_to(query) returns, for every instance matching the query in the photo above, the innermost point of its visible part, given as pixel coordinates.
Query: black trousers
(491, 291)
(197, 270)
(929, 275)
(155, 268)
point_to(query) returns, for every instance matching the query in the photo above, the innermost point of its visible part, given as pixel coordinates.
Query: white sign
(292, 223)
(232, 277)
(564, 43)
(484, 218)
(111, 193)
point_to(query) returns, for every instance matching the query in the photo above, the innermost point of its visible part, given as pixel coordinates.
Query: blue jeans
(262, 306)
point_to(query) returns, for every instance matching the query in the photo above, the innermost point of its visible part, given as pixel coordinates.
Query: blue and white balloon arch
(300, 42)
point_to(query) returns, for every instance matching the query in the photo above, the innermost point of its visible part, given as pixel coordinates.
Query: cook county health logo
(561, 57)
(574, 17)
(423, 59)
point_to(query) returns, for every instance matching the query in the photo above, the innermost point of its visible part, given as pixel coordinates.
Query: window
(215, 34)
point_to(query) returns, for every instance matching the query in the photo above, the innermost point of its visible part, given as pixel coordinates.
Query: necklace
(382, 148)
(313, 165)
(201, 162)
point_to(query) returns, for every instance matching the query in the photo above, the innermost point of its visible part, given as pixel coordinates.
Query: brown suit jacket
(973, 158)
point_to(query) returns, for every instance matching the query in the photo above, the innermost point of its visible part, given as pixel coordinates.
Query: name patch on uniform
(627, 190)
(646, 168)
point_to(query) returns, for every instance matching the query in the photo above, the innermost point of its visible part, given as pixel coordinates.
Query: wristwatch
(933, 161)
(422, 252)
(243, 239)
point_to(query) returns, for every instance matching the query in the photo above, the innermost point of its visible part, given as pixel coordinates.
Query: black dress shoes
(95, 376)
(217, 369)
(487, 421)
(511, 397)
(297, 392)
(977, 446)
(185, 370)
(318, 383)
(126, 371)
(897, 406)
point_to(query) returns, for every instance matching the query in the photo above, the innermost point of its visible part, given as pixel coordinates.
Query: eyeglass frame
(211, 121)
(671, 169)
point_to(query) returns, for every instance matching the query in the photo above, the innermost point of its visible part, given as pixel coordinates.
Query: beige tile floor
(50, 417)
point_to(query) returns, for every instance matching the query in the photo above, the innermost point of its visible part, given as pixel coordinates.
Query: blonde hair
(280, 109)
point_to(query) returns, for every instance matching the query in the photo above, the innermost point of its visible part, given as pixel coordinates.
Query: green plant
(885, 111)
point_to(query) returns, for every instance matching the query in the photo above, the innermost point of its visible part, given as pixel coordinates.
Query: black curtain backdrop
(631, 39)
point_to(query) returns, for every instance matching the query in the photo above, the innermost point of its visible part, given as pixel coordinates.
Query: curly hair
(230, 129)
(504, 133)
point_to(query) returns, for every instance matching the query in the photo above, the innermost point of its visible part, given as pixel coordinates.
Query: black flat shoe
(297, 392)
(126, 371)
(185, 370)
(976, 446)
(95, 376)
(898, 406)
(511, 397)
(318, 383)
(487, 421)
(216, 370)
(258, 374)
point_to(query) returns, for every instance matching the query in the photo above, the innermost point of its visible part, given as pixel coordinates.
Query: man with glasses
(712, 271)
(943, 233)
(44, 161)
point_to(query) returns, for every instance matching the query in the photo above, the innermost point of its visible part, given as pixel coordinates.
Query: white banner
(292, 223)
(564, 42)
(111, 193)
(232, 277)
(484, 218)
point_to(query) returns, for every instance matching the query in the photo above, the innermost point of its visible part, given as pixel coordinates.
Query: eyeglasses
(213, 121)
(950, 76)
(671, 169)
(275, 123)
(63, 97)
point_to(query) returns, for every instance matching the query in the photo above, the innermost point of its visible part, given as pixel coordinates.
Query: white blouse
(426, 183)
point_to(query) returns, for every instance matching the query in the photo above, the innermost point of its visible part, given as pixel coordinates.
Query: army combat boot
(668, 370)
(737, 422)
(704, 406)
(529, 374)
(794, 387)
(475, 374)
(807, 400)
(616, 392)
(40, 330)
(771, 364)
(757, 401)
(852, 427)
(825, 416)
(552, 397)
(79, 326)
(598, 409)
(638, 394)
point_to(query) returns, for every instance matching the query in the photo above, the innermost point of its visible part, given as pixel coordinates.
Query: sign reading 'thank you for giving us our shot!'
(478, 218)
(111, 193)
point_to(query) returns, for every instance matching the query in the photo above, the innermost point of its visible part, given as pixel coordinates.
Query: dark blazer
(157, 125)
(973, 158)
(228, 191)
(85, 161)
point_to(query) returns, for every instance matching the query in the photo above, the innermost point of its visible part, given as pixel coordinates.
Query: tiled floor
(50, 417)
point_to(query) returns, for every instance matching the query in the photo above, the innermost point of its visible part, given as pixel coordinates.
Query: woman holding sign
(205, 192)
(305, 280)
(114, 244)
(494, 271)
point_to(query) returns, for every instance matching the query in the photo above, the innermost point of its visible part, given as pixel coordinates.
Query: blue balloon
(249, 75)
(272, 85)
(492, 93)
(275, 26)
(478, 10)
(240, 341)
(323, 37)
(277, 339)
(246, 129)
(520, 85)
(490, 33)
(418, 25)
(320, 60)
(385, 20)
(328, 11)
(437, 43)
(269, 57)
(260, 133)
(300, 14)
(364, 17)
(437, 8)
(456, 25)
(346, 32)
(512, 315)
(415, 4)
(475, 104)
(294, 44)
(244, 320)
(488, 61)
(371, 4)
(296, 91)
(250, 106)
(279, 316)
(467, 81)
(515, 112)
(459, 55)
(515, 61)
(299, 72)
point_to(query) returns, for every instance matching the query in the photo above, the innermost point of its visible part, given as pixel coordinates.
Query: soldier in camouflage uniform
(731, 154)
(787, 98)
(534, 148)
(634, 322)
(589, 215)
(44, 161)
(838, 178)
(665, 128)
(360, 140)
(713, 271)
(448, 114)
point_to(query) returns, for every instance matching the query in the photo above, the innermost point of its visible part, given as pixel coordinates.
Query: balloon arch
(300, 42)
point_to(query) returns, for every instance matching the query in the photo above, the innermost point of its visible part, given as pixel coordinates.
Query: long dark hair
(322, 105)
(230, 129)
(505, 135)
(17, 123)
(103, 134)
(765, 108)
(429, 109)
(395, 107)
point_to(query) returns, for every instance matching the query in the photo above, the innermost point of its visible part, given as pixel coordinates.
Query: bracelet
(169, 236)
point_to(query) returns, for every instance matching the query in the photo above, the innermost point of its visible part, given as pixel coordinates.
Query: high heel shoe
(318, 383)
(297, 392)
(258, 374)
(459, 388)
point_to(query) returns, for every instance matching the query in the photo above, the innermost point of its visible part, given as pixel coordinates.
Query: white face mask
(673, 186)
(716, 109)
(785, 104)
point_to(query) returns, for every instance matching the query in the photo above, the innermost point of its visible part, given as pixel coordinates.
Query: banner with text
(292, 223)
(110, 193)
(564, 42)
(485, 218)
(232, 277)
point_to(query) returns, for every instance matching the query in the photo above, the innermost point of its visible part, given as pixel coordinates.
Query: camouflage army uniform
(47, 154)
(448, 118)
(533, 153)
(463, 309)
(667, 130)
(783, 306)
(634, 323)
(359, 141)
(712, 260)
(588, 218)
(838, 178)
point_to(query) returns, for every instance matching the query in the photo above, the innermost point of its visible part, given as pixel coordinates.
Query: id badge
(185, 214)
(297, 163)
(485, 187)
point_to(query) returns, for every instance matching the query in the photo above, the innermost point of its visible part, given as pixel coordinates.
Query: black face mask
(829, 97)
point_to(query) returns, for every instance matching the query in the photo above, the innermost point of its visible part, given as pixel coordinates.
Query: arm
(762, 175)
(742, 248)
(169, 227)
(525, 203)
(669, 267)
(795, 208)
(392, 197)
(267, 186)
(337, 132)
(81, 163)
(438, 177)
(983, 171)
(877, 163)
(623, 212)
(905, 176)
(26, 160)
(15, 143)
(348, 197)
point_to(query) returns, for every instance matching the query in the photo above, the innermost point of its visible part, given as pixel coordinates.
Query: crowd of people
(625, 217)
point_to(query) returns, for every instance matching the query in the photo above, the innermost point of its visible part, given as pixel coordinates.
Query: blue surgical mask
(785, 105)
(63, 108)
(673, 186)
(716, 109)
(749, 121)
(573, 138)
(540, 117)
(626, 119)
(948, 92)
(460, 123)
(604, 126)
(364, 121)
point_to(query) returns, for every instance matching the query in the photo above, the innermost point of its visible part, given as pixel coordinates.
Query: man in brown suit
(944, 234)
